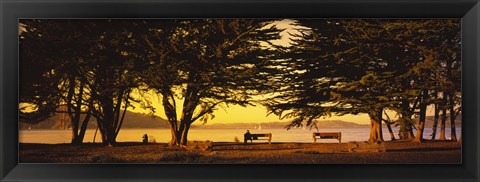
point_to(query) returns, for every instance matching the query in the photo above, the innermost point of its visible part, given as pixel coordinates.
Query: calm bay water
(216, 135)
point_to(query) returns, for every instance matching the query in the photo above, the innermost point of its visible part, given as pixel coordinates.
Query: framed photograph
(239, 90)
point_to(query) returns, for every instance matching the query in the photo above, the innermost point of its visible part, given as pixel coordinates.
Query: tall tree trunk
(376, 134)
(119, 124)
(436, 115)
(184, 139)
(71, 108)
(102, 131)
(179, 133)
(173, 132)
(75, 109)
(79, 135)
(444, 117)
(451, 101)
(406, 131)
(189, 105)
(75, 137)
(108, 120)
(110, 109)
(392, 136)
(83, 128)
(169, 107)
(421, 121)
(452, 117)
(95, 134)
(111, 139)
(435, 121)
(179, 130)
(185, 123)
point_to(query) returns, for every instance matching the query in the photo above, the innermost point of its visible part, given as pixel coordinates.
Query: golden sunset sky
(249, 114)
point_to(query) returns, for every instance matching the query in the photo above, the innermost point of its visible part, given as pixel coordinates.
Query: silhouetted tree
(89, 66)
(335, 71)
(361, 66)
(209, 62)
(53, 62)
(115, 71)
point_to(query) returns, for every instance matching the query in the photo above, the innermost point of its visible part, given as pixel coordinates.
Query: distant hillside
(136, 120)
(278, 125)
(132, 120)
(320, 124)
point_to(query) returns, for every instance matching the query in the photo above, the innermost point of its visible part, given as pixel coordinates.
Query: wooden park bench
(329, 135)
(258, 136)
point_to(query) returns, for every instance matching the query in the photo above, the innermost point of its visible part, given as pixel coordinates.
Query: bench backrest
(261, 135)
(329, 134)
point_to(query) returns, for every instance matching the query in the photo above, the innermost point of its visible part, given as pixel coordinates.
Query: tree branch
(205, 111)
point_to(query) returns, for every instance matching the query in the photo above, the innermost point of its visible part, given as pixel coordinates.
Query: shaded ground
(238, 153)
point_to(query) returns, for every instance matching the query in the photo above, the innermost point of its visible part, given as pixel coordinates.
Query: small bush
(200, 145)
(236, 140)
(151, 139)
(106, 158)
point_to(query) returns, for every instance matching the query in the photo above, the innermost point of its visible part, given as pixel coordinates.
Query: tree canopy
(364, 66)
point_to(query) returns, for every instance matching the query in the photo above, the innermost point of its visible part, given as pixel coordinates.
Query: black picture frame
(12, 10)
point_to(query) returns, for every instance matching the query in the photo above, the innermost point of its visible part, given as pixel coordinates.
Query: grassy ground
(239, 153)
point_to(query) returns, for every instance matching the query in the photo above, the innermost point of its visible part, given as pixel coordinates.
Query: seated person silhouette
(246, 136)
(145, 138)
